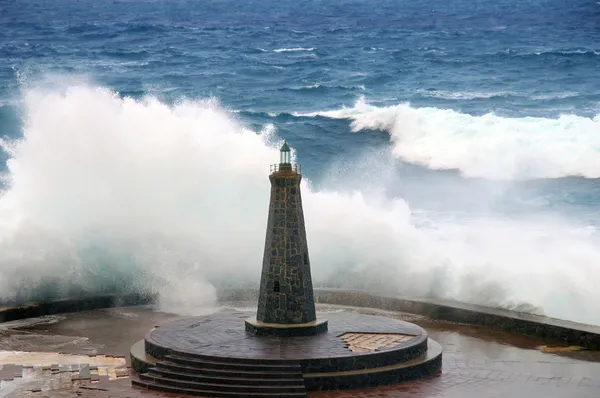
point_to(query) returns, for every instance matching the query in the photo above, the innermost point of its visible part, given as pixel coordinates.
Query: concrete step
(234, 378)
(235, 366)
(248, 374)
(258, 361)
(426, 365)
(213, 393)
(225, 386)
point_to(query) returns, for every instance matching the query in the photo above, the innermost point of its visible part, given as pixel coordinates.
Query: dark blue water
(516, 59)
(469, 106)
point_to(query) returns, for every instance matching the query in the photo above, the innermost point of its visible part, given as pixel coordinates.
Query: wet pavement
(94, 347)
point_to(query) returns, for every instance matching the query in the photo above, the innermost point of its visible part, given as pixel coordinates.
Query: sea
(449, 149)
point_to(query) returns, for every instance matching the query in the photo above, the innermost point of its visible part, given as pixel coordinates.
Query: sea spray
(107, 191)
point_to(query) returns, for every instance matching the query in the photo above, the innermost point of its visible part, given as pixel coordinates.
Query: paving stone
(9, 372)
(84, 373)
(500, 382)
(466, 358)
(120, 372)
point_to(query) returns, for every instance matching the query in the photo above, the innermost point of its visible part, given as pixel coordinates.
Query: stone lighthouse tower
(286, 305)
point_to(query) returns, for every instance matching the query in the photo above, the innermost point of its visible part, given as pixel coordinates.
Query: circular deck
(223, 335)
(357, 350)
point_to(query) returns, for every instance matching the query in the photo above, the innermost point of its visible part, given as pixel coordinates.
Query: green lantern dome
(285, 156)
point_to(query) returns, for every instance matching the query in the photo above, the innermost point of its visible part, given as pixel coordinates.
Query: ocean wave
(316, 85)
(134, 55)
(104, 189)
(451, 95)
(555, 96)
(476, 95)
(550, 52)
(144, 28)
(268, 115)
(487, 146)
(568, 52)
(323, 87)
(295, 49)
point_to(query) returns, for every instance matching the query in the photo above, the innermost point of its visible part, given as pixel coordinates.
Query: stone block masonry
(286, 292)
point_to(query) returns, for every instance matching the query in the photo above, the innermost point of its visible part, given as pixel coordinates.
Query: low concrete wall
(73, 305)
(529, 324)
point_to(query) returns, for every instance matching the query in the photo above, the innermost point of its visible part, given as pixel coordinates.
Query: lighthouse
(286, 304)
(284, 349)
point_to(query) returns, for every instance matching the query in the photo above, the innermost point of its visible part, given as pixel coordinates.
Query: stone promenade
(477, 362)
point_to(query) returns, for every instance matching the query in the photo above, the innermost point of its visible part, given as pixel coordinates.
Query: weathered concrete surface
(478, 361)
(109, 331)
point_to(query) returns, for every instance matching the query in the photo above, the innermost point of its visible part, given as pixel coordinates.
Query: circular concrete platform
(214, 354)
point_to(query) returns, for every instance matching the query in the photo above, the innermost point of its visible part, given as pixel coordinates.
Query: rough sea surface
(449, 148)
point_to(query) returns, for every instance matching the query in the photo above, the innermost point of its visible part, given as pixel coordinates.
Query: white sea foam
(488, 146)
(179, 192)
(554, 96)
(569, 52)
(295, 49)
(319, 85)
(316, 85)
(464, 95)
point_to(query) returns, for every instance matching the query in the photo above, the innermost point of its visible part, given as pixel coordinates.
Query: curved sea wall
(567, 332)
(34, 310)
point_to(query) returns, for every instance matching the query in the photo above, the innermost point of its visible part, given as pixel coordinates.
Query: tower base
(214, 356)
(286, 330)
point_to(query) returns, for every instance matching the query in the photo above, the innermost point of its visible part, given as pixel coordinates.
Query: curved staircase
(206, 376)
(193, 376)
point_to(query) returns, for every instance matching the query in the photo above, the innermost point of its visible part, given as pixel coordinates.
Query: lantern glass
(285, 154)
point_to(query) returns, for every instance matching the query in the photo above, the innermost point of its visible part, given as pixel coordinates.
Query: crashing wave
(107, 193)
(487, 146)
